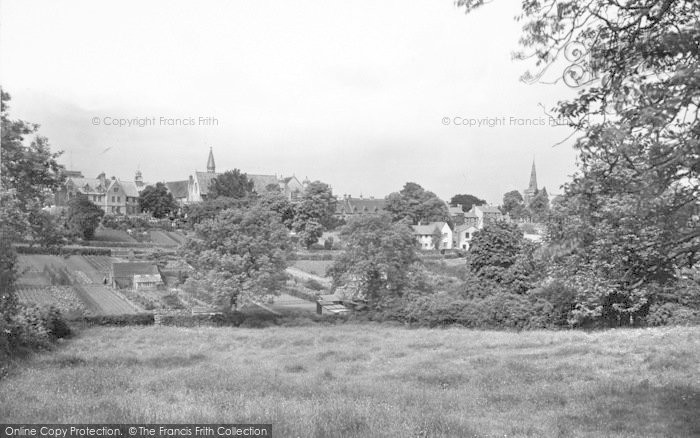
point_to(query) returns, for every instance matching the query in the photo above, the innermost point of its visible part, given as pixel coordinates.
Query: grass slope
(353, 380)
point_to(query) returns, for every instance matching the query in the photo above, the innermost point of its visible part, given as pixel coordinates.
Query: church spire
(533, 177)
(211, 167)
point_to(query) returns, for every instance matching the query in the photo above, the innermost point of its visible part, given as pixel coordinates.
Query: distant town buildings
(348, 207)
(198, 184)
(114, 196)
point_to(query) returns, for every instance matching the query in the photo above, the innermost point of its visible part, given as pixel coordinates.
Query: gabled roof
(462, 228)
(86, 185)
(177, 188)
(488, 209)
(424, 230)
(360, 205)
(203, 179)
(129, 269)
(455, 210)
(129, 188)
(260, 182)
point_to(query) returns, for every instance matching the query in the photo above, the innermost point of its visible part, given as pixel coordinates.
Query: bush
(31, 328)
(118, 320)
(314, 285)
(501, 310)
(63, 251)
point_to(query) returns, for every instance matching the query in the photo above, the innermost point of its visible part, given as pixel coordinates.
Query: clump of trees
(466, 201)
(157, 201)
(415, 205)
(83, 217)
(29, 176)
(377, 262)
(240, 255)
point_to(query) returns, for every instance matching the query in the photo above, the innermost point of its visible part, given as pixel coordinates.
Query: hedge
(117, 320)
(62, 251)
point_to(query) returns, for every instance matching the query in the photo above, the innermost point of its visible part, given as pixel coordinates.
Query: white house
(485, 214)
(425, 235)
(463, 235)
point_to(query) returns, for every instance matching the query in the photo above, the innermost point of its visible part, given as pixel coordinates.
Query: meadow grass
(369, 380)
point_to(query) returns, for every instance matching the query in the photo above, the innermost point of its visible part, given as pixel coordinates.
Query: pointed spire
(211, 167)
(533, 177)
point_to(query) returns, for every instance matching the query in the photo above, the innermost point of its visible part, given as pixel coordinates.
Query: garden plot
(63, 298)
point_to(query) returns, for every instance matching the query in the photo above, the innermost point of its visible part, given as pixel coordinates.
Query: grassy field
(365, 380)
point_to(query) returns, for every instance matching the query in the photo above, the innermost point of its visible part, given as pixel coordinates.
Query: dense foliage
(466, 201)
(83, 216)
(377, 260)
(416, 205)
(157, 201)
(240, 255)
(628, 221)
(231, 184)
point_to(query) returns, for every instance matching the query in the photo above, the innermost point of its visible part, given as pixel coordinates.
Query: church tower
(531, 190)
(211, 167)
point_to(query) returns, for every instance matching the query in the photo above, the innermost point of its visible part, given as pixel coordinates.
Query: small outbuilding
(122, 275)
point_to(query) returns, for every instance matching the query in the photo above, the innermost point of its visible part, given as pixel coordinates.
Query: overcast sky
(350, 93)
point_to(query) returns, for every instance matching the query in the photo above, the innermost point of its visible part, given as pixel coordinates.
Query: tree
(539, 205)
(314, 213)
(378, 258)
(310, 233)
(210, 208)
(416, 204)
(466, 201)
(317, 203)
(231, 184)
(629, 217)
(83, 216)
(28, 168)
(157, 201)
(14, 224)
(494, 249)
(242, 254)
(274, 200)
(513, 204)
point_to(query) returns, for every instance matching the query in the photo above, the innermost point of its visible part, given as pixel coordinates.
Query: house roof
(177, 188)
(429, 229)
(86, 185)
(203, 179)
(129, 188)
(488, 209)
(461, 228)
(470, 214)
(455, 210)
(129, 269)
(260, 182)
(360, 205)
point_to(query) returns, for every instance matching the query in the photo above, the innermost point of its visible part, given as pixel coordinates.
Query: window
(116, 190)
(112, 198)
(119, 199)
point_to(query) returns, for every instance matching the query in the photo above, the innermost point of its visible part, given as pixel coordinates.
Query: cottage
(122, 275)
(435, 232)
(463, 235)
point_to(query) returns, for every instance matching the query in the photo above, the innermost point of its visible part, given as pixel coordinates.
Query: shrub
(314, 285)
(119, 320)
(63, 251)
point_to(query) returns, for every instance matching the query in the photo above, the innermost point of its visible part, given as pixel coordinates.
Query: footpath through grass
(357, 381)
